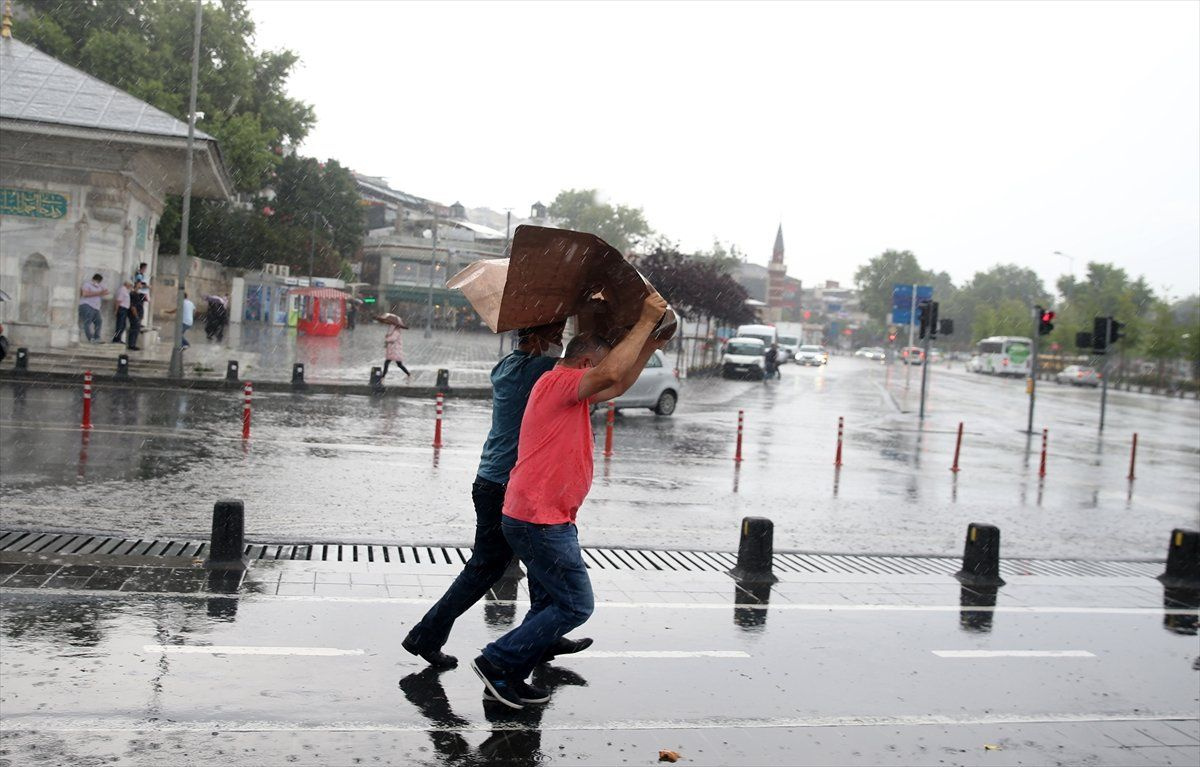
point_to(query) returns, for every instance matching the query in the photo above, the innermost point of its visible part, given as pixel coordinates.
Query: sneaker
(435, 658)
(564, 646)
(502, 690)
(526, 693)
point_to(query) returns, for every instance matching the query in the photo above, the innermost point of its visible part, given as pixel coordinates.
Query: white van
(764, 333)
(743, 357)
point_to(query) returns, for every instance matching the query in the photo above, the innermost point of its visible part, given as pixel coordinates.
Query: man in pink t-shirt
(552, 476)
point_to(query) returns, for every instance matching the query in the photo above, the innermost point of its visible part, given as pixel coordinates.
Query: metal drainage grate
(594, 558)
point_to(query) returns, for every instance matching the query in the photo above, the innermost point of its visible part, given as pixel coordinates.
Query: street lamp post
(175, 369)
(432, 269)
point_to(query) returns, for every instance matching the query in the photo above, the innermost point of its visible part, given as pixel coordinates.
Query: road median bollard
(298, 376)
(981, 557)
(86, 421)
(248, 390)
(22, 362)
(756, 551)
(1042, 465)
(1183, 560)
(227, 545)
(1132, 458)
(837, 457)
(737, 454)
(231, 371)
(376, 381)
(437, 427)
(957, 448)
(122, 373)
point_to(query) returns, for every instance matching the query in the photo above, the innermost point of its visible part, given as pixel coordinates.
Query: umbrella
(391, 319)
(4, 296)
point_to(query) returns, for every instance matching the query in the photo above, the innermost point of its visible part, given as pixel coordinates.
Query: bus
(1003, 356)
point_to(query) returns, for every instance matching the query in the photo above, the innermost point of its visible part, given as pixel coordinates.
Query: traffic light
(1045, 321)
(1083, 340)
(945, 328)
(928, 311)
(1115, 331)
(1100, 335)
(892, 337)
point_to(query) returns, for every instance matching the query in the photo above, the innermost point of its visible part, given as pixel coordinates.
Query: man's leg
(487, 564)
(122, 315)
(183, 337)
(97, 321)
(551, 555)
(134, 330)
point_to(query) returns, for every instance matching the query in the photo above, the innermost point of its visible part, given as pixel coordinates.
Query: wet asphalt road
(833, 671)
(351, 468)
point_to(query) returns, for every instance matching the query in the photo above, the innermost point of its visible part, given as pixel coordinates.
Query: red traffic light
(1047, 316)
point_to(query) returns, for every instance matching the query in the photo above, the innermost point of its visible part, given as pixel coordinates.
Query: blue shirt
(512, 381)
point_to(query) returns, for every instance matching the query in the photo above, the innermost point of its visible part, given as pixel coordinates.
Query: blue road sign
(902, 301)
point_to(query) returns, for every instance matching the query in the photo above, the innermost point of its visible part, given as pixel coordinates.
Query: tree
(697, 287)
(997, 286)
(876, 278)
(621, 226)
(1162, 340)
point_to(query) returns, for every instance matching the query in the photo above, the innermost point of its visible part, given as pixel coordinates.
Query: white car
(743, 357)
(1078, 375)
(811, 355)
(873, 353)
(657, 388)
(788, 347)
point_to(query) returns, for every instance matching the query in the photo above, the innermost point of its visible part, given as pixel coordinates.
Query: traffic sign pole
(912, 317)
(1033, 365)
(1104, 370)
(925, 360)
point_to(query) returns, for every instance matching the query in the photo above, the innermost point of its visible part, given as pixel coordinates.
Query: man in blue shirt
(512, 381)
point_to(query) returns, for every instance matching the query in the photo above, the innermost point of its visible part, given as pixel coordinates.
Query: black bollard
(22, 358)
(298, 375)
(122, 373)
(981, 557)
(226, 549)
(231, 371)
(376, 380)
(443, 380)
(971, 618)
(756, 551)
(1183, 560)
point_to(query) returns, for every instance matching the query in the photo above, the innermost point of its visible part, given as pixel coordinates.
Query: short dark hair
(584, 343)
(98, 277)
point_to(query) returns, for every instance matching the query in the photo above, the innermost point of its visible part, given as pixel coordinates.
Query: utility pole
(1031, 383)
(175, 369)
(1108, 321)
(912, 318)
(929, 327)
(432, 268)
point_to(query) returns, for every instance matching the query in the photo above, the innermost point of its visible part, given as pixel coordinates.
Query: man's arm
(617, 371)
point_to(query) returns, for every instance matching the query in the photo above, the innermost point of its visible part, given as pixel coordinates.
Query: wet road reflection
(977, 621)
(754, 597)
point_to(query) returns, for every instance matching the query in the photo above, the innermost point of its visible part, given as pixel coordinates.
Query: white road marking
(18, 723)
(662, 654)
(1013, 654)
(781, 607)
(245, 650)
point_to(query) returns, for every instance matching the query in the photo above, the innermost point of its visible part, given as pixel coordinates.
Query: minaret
(776, 274)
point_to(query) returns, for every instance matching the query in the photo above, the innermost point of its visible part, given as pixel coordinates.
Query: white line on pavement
(662, 654)
(18, 723)
(1013, 654)
(245, 650)
(780, 607)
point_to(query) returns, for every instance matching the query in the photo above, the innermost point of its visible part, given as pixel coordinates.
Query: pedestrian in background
(549, 482)
(513, 378)
(122, 311)
(771, 363)
(91, 293)
(189, 316)
(138, 301)
(393, 346)
(216, 317)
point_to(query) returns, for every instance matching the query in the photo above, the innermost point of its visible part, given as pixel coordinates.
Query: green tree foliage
(876, 278)
(977, 307)
(621, 226)
(145, 47)
(1105, 290)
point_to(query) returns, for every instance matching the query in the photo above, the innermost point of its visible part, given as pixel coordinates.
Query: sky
(970, 133)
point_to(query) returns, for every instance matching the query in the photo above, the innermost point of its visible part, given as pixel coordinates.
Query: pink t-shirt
(553, 473)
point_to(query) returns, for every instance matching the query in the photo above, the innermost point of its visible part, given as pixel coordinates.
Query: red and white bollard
(737, 456)
(1042, 467)
(86, 423)
(957, 449)
(437, 428)
(608, 430)
(837, 458)
(248, 389)
(1132, 456)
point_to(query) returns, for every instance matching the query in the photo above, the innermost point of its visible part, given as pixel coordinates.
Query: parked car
(871, 353)
(743, 357)
(808, 354)
(657, 388)
(788, 346)
(912, 355)
(1078, 375)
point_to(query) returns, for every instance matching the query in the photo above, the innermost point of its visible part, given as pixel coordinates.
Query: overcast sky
(971, 133)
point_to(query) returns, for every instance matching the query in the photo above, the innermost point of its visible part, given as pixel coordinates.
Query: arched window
(34, 307)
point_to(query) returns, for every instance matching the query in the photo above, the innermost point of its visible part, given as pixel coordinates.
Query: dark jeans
(122, 321)
(89, 320)
(135, 327)
(487, 564)
(563, 602)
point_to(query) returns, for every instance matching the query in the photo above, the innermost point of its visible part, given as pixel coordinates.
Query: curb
(200, 384)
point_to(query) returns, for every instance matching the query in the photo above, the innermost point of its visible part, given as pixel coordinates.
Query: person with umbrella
(392, 344)
(216, 317)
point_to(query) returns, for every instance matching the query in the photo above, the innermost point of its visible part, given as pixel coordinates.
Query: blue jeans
(489, 559)
(89, 320)
(562, 602)
(183, 336)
